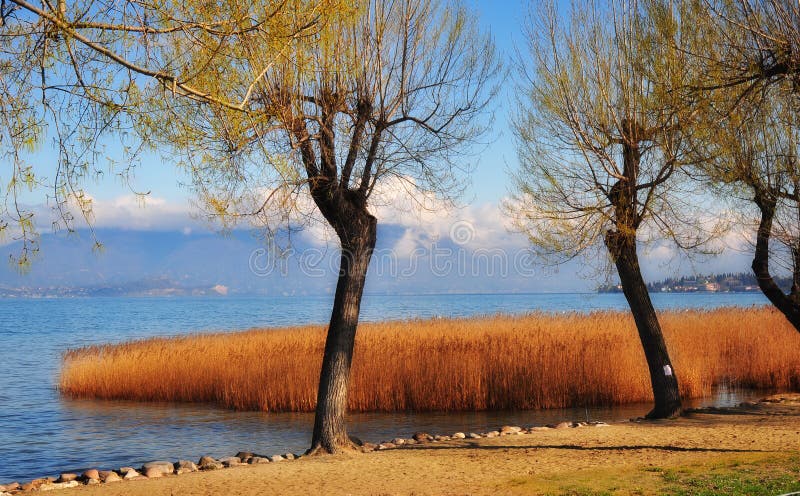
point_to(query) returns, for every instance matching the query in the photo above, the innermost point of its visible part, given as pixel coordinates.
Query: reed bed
(500, 362)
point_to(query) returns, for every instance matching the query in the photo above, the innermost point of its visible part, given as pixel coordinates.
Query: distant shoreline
(80, 295)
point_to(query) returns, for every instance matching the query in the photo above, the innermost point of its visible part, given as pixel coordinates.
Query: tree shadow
(711, 410)
(576, 447)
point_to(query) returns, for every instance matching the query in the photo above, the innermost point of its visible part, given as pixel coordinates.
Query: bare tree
(333, 106)
(601, 148)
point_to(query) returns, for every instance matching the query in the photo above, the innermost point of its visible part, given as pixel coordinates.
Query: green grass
(768, 476)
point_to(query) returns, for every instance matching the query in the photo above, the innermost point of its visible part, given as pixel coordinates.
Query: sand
(628, 457)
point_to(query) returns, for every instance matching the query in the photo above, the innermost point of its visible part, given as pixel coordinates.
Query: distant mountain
(164, 263)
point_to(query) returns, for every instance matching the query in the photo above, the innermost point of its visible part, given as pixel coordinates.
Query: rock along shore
(158, 469)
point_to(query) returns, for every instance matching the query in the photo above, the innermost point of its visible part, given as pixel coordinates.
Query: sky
(168, 208)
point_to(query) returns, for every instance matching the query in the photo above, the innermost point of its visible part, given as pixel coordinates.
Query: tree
(601, 148)
(749, 71)
(753, 158)
(335, 106)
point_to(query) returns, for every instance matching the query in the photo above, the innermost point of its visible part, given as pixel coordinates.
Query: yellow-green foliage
(501, 362)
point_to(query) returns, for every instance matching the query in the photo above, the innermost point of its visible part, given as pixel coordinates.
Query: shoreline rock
(161, 468)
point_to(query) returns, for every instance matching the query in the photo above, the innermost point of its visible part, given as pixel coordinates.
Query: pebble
(409, 442)
(291, 456)
(256, 460)
(91, 474)
(244, 455)
(510, 429)
(69, 477)
(473, 435)
(399, 441)
(131, 474)
(108, 476)
(276, 458)
(231, 461)
(492, 434)
(184, 467)
(540, 428)
(166, 468)
(385, 446)
(59, 485)
(422, 437)
(209, 463)
(563, 425)
(153, 473)
(459, 435)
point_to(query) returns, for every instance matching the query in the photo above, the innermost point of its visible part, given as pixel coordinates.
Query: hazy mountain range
(144, 262)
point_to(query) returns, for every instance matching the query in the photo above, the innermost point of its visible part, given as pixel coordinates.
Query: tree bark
(786, 304)
(358, 236)
(662, 374)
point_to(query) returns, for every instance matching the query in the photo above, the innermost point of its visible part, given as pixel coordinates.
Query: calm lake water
(43, 434)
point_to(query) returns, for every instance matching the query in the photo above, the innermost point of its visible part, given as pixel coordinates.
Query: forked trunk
(662, 373)
(330, 432)
(788, 305)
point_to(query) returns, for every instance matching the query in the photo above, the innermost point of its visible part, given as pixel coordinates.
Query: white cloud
(132, 212)
(424, 218)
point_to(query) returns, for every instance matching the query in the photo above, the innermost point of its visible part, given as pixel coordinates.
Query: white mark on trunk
(667, 370)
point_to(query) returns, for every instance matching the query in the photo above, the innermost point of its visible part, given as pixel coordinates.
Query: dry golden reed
(501, 362)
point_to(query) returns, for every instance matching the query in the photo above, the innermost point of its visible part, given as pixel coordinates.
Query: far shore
(751, 449)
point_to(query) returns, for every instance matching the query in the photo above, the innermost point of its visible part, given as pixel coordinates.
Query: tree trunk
(787, 305)
(662, 373)
(358, 242)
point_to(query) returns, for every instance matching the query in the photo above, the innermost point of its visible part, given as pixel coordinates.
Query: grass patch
(767, 478)
(768, 475)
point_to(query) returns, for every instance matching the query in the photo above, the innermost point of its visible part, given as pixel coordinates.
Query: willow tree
(601, 150)
(388, 95)
(749, 70)
(286, 107)
(752, 159)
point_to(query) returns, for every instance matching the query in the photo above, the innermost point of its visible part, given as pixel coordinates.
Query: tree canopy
(83, 74)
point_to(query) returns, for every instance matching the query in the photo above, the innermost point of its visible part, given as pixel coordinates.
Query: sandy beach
(705, 448)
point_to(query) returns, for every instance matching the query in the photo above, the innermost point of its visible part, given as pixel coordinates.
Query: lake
(44, 434)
